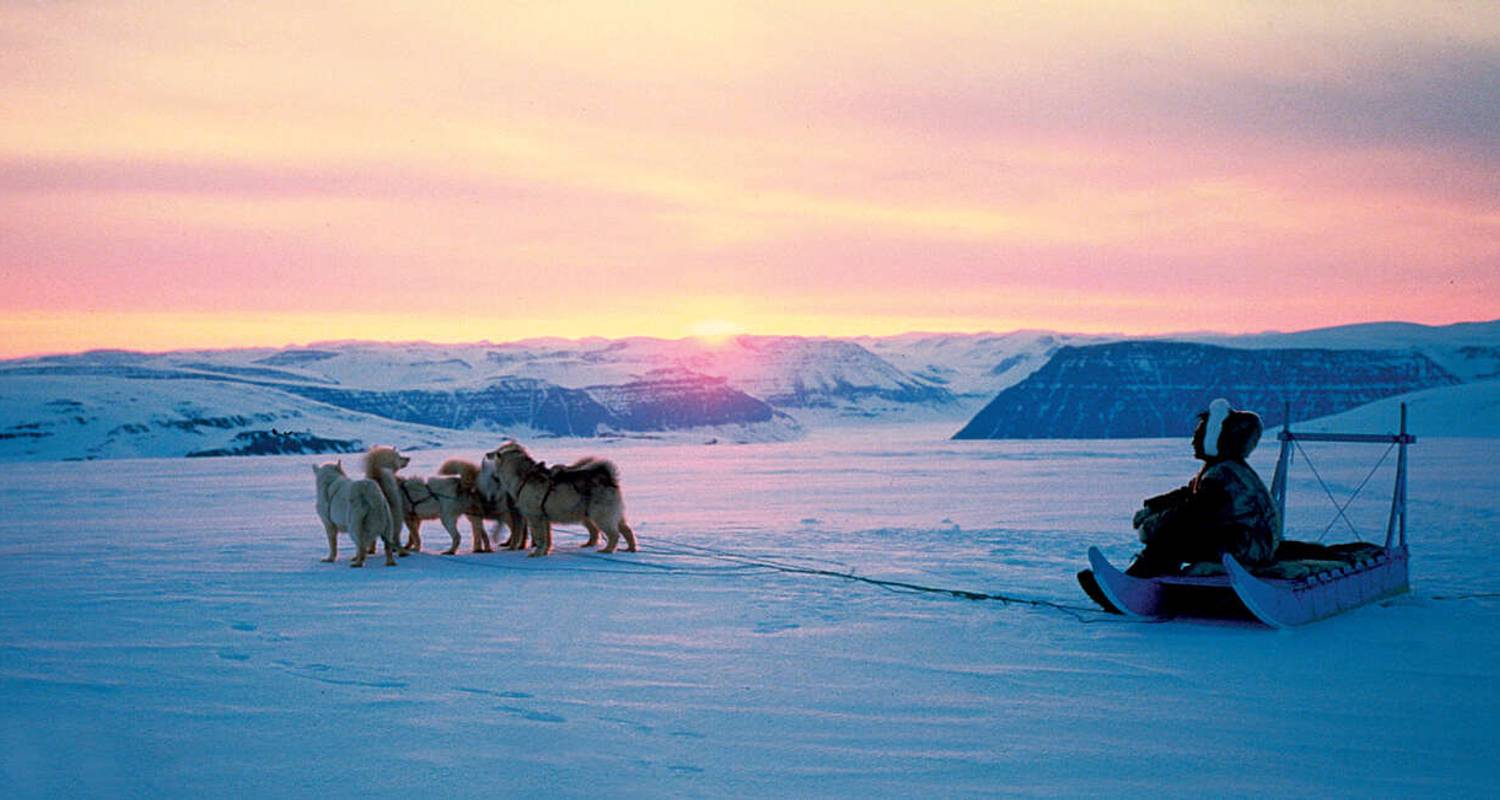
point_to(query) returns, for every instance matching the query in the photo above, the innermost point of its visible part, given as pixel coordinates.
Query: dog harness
(545, 495)
(406, 493)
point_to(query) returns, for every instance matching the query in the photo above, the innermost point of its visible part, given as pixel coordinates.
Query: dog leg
(522, 532)
(613, 535)
(414, 535)
(593, 533)
(517, 526)
(333, 542)
(450, 523)
(541, 536)
(360, 550)
(629, 537)
(480, 536)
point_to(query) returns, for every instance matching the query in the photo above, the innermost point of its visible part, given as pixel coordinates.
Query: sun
(714, 331)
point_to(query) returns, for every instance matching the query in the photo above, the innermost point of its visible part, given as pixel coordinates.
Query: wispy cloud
(1123, 166)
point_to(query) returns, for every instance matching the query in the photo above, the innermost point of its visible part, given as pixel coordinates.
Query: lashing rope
(1339, 514)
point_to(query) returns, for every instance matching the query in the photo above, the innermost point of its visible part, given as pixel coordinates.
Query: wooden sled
(1240, 594)
(1280, 602)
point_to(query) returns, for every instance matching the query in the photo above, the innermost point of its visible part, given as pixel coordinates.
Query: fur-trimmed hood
(1238, 432)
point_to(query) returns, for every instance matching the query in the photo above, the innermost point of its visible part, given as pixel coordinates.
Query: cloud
(1187, 159)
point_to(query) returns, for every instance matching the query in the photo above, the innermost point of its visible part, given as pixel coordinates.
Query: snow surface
(166, 630)
(1468, 409)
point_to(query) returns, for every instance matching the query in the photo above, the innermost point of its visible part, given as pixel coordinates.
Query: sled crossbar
(1358, 438)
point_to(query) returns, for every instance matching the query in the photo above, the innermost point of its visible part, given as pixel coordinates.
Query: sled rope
(1076, 612)
(650, 569)
(1339, 514)
(747, 565)
(1471, 596)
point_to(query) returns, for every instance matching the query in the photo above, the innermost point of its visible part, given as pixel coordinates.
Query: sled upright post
(1278, 480)
(1398, 496)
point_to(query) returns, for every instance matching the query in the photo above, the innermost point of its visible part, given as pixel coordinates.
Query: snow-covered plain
(166, 630)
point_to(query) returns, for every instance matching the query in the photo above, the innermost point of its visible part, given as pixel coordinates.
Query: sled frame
(1278, 603)
(1395, 529)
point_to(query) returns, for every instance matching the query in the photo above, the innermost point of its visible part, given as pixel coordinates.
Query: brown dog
(586, 492)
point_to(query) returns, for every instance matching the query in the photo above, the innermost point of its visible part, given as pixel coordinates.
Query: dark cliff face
(538, 404)
(660, 401)
(1154, 389)
(657, 402)
(671, 399)
(280, 443)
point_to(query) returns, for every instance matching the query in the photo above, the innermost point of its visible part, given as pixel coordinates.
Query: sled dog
(494, 495)
(357, 507)
(381, 464)
(452, 493)
(586, 490)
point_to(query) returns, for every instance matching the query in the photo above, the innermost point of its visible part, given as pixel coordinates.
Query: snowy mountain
(1469, 350)
(795, 373)
(1154, 388)
(590, 387)
(1469, 409)
(666, 399)
(334, 396)
(82, 410)
(973, 366)
(87, 416)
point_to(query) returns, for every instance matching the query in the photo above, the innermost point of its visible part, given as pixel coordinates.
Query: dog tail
(467, 472)
(596, 471)
(376, 521)
(392, 491)
(380, 457)
(384, 518)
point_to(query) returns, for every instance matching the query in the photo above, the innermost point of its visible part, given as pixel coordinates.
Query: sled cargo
(1305, 584)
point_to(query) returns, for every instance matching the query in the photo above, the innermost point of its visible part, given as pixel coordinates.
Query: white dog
(357, 507)
(587, 492)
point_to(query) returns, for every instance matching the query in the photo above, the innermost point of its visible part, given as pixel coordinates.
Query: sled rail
(1287, 604)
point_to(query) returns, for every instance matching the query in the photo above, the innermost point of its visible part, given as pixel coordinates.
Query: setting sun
(714, 331)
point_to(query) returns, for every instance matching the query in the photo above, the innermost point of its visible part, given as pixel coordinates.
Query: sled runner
(1307, 582)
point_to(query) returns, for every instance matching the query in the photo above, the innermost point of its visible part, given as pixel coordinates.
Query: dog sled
(1307, 582)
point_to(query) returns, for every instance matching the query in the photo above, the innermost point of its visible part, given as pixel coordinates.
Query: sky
(207, 174)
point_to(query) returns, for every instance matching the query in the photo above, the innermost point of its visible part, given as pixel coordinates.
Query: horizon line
(920, 332)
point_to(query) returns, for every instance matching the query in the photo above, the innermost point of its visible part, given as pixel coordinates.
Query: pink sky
(210, 174)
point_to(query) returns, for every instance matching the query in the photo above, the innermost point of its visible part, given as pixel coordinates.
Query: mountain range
(343, 395)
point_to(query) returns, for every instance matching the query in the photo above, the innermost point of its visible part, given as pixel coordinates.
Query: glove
(1146, 522)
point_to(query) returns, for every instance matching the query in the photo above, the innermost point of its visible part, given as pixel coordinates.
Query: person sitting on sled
(1224, 509)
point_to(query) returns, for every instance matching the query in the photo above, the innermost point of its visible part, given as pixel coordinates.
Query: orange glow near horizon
(279, 173)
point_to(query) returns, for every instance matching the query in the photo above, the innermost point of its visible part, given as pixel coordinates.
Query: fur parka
(1224, 509)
